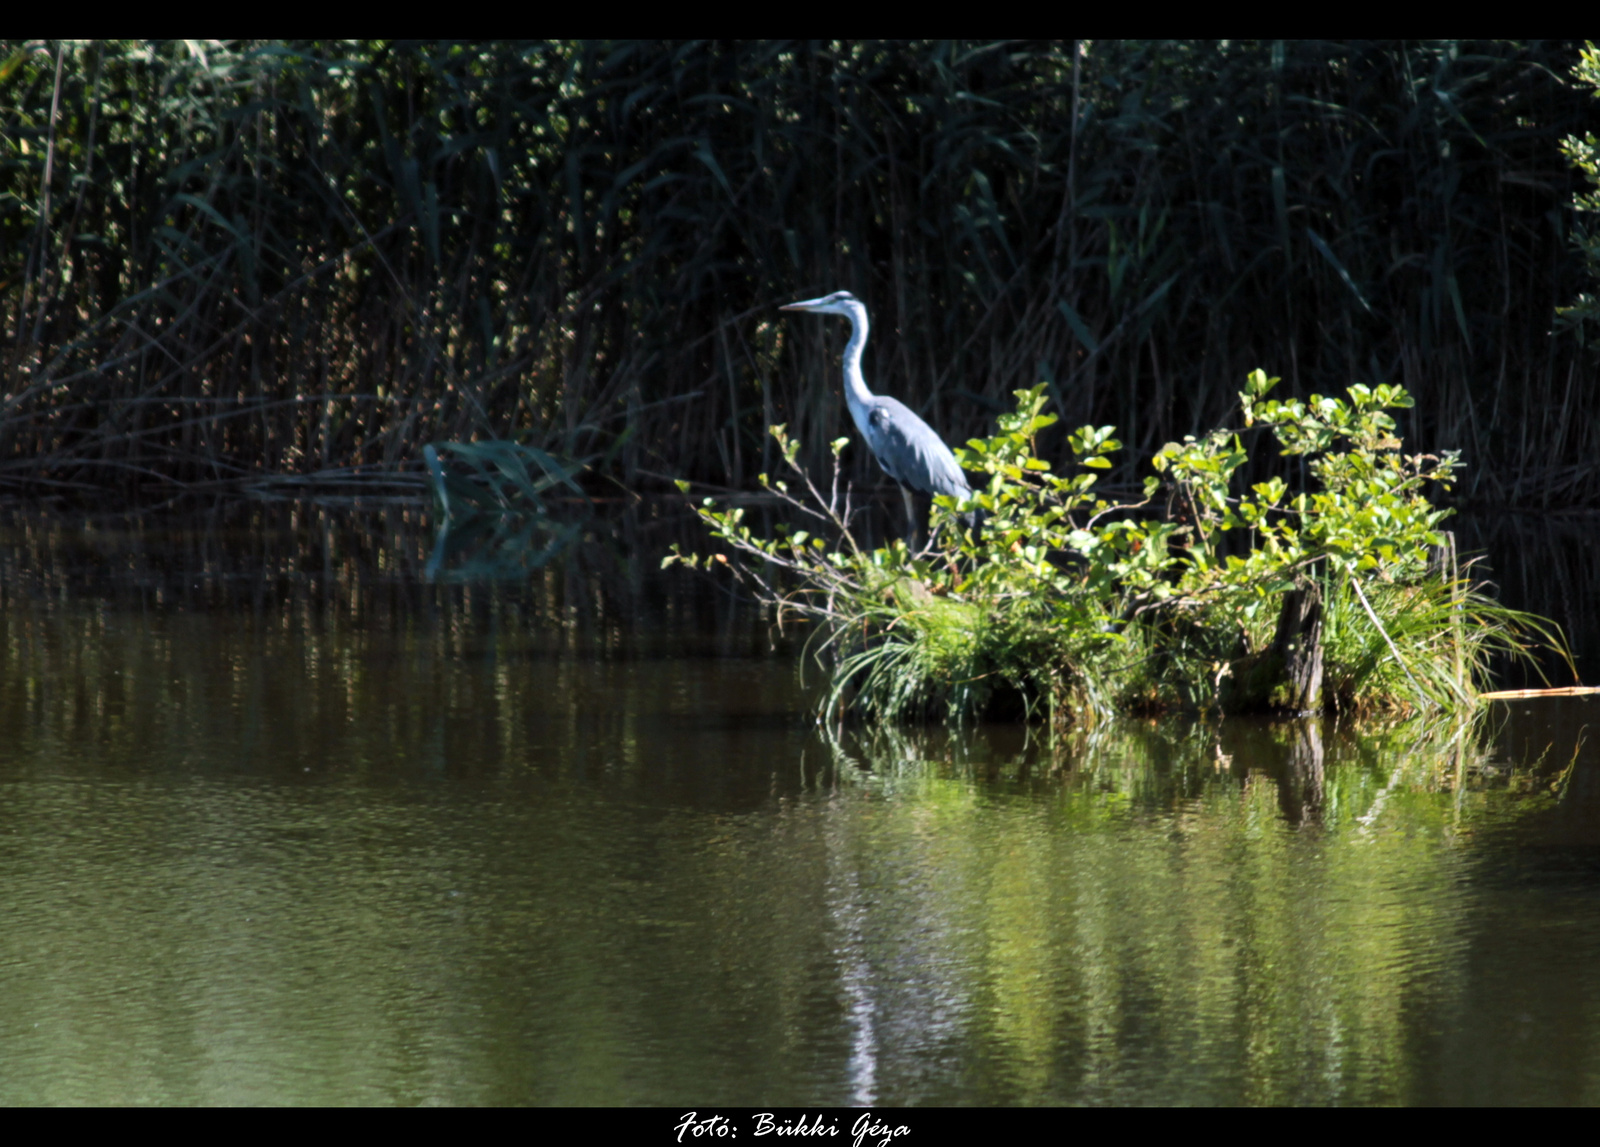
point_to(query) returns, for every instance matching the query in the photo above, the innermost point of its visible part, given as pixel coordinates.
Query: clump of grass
(1429, 644)
(946, 659)
(495, 520)
(1066, 605)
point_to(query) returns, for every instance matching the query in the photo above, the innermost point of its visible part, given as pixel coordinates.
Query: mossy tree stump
(1287, 675)
(1299, 645)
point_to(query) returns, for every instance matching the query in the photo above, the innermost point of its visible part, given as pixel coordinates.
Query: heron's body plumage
(919, 460)
(908, 449)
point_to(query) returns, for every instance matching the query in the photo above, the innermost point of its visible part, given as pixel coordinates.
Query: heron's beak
(803, 305)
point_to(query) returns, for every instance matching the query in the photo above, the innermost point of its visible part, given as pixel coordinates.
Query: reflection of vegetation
(1162, 764)
(1344, 595)
(497, 523)
(1152, 911)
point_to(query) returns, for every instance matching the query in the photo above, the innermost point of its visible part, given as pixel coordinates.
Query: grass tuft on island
(1345, 596)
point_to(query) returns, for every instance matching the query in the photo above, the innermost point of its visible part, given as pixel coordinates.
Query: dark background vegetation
(222, 261)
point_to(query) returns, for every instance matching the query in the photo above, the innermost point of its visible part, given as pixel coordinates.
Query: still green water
(281, 824)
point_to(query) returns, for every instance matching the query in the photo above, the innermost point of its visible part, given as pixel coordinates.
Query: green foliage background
(223, 259)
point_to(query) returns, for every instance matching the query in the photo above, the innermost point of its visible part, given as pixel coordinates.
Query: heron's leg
(912, 533)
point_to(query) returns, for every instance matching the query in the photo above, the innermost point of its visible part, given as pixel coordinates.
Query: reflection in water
(1145, 921)
(349, 838)
(855, 975)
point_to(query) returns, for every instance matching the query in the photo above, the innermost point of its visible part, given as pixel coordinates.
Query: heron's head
(838, 303)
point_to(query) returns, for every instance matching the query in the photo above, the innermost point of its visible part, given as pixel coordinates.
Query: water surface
(281, 823)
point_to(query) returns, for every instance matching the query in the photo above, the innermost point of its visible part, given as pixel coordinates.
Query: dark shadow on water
(367, 565)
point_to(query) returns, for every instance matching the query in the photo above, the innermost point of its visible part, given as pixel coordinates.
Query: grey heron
(904, 445)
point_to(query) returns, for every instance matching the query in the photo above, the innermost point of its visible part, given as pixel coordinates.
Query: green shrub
(1067, 603)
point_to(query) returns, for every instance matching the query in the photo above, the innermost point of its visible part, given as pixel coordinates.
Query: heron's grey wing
(911, 452)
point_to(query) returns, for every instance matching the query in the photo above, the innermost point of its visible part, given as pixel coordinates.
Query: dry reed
(226, 260)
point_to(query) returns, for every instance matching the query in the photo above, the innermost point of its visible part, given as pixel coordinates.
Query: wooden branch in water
(1520, 694)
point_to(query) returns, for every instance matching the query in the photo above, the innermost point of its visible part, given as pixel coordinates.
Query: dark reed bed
(222, 261)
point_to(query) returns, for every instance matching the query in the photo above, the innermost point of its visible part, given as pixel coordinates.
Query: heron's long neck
(856, 394)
